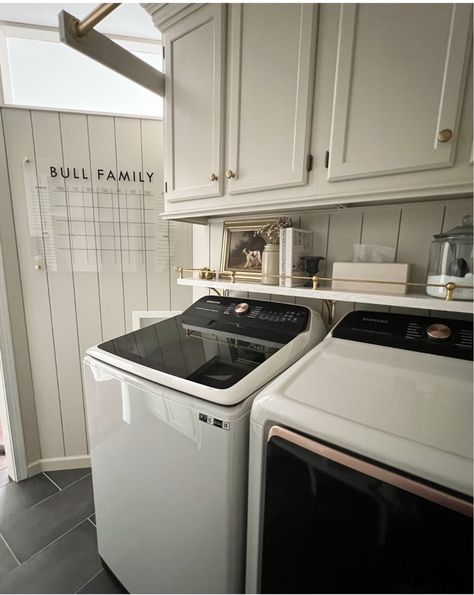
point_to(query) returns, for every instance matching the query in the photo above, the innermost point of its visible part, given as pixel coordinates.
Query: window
(40, 71)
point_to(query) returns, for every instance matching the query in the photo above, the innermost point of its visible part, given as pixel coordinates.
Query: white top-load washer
(168, 411)
(361, 462)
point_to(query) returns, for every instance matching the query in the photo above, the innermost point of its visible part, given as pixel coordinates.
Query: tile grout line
(56, 493)
(90, 580)
(69, 484)
(91, 521)
(53, 542)
(43, 500)
(11, 551)
(53, 482)
(77, 481)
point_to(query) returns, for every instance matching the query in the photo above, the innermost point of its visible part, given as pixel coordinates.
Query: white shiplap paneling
(111, 285)
(406, 227)
(19, 143)
(69, 309)
(157, 269)
(48, 150)
(75, 145)
(16, 311)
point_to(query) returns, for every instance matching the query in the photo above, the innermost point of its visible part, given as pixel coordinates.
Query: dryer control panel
(439, 336)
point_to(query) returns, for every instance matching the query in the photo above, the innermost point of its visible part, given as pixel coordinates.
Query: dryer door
(334, 523)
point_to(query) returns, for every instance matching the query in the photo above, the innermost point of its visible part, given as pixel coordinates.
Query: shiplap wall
(408, 228)
(16, 311)
(67, 311)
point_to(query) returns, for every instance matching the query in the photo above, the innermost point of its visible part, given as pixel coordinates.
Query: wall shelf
(411, 300)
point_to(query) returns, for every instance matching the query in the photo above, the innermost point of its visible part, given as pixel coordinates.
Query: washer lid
(215, 342)
(212, 352)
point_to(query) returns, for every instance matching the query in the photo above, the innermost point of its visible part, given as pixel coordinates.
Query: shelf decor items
(246, 247)
(270, 232)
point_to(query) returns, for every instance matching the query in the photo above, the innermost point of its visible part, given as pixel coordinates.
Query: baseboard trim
(34, 468)
(59, 464)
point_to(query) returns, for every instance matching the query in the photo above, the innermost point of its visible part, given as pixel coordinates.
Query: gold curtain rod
(93, 18)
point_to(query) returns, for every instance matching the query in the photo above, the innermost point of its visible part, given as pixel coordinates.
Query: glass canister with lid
(451, 260)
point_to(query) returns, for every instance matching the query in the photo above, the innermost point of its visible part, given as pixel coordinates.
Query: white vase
(271, 264)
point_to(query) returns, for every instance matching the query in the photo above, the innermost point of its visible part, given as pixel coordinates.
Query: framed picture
(241, 248)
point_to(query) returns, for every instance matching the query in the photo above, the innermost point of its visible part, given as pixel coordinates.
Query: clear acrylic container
(451, 260)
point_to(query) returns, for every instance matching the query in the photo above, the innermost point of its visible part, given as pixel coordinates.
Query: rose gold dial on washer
(438, 332)
(242, 308)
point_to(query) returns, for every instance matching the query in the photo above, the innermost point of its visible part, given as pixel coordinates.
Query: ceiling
(129, 19)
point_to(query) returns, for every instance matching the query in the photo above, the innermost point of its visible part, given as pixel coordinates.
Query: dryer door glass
(330, 528)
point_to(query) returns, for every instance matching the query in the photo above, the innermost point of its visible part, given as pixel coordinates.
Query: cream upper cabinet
(400, 71)
(271, 65)
(194, 104)
(379, 94)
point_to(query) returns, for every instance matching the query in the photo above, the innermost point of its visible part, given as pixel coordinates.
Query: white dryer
(361, 463)
(168, 415)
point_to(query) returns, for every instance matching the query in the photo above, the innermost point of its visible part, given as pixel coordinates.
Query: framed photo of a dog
(241, 248)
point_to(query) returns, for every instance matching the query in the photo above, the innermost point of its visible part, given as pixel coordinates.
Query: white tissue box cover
(383, 271)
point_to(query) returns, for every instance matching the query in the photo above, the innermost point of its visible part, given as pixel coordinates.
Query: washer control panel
(439, 336)
(251, 318)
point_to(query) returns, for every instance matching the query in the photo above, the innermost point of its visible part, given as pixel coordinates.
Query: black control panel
(249, 318)
(439, 336)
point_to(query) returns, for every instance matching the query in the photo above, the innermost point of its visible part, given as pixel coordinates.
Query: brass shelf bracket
(331, 308)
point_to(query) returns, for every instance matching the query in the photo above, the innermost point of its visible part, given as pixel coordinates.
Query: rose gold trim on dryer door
(394, 479)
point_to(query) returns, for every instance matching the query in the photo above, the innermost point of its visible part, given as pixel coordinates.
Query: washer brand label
(378, 320)
(213, 421)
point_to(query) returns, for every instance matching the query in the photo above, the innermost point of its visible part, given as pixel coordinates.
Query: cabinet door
(271, 82)
(399, 83)
(194, 58)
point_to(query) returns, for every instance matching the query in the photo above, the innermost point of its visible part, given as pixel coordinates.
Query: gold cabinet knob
(229, 174)
(212, 177)
(445, 135)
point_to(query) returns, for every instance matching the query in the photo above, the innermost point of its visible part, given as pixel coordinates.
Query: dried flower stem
(270, 232)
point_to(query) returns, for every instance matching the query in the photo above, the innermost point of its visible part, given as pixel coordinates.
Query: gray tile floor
(48, 540)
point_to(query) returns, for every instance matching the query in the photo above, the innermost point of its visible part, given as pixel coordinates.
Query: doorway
(13, 464)
(4, 463)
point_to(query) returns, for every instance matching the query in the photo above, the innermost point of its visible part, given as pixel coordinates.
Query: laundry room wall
(80, 204)
(407, 227)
